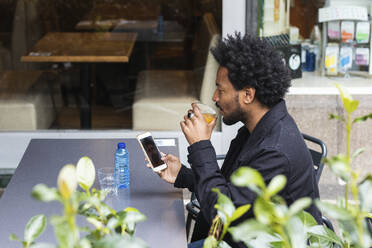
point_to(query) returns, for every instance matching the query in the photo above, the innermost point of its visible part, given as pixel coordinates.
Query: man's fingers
(160, 173)
(163, 156)
(196, 109)
(184, 126)
(190, 114)
(148, 165)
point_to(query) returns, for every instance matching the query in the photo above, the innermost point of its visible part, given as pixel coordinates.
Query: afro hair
(251, 62)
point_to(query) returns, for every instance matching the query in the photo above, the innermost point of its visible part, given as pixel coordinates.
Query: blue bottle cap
(121, 145)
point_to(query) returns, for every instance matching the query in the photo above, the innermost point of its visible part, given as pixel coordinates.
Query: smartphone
(151, 151)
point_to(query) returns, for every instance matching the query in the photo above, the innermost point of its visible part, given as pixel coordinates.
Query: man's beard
(235, 116)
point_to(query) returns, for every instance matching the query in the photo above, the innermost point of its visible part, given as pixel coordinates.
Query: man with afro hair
(252, 80)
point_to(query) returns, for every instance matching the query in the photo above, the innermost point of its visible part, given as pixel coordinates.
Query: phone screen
(152, 151)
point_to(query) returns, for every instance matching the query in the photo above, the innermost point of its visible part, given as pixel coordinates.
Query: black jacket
(275, 147)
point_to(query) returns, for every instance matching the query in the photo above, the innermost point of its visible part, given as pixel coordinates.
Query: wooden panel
(82, 47)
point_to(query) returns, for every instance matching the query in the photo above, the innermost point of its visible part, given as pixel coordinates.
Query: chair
(167, 94)
(26, 100)
(193, 207)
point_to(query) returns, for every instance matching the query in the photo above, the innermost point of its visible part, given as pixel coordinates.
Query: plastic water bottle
(122, 166)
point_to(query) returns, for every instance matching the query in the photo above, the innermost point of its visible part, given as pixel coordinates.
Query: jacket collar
(246, 141)
(269, 120)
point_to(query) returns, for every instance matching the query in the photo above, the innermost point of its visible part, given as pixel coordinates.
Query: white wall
(233, 19)
(233, 16)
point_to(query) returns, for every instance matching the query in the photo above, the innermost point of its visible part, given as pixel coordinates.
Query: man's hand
(196, 128)
(170, 173)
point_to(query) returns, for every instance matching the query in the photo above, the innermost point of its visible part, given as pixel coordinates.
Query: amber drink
(208, 112)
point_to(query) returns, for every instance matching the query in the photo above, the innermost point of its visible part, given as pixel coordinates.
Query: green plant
(350, 217)
(276, 225)
(110, 228)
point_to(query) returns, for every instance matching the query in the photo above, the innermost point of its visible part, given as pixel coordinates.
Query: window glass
(104, 64)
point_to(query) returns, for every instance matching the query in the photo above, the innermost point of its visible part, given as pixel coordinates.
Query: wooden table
(85, 48)
(159, 201)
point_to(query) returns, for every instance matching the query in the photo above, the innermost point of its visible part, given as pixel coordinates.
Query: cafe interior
(52, 50)
(110, 68)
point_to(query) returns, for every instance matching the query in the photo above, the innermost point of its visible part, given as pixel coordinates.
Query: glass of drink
(106, 178)
(208, 112)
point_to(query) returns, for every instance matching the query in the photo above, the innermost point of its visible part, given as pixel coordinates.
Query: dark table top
(159, 201)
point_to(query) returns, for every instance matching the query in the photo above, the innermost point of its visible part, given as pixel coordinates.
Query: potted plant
(108, 228)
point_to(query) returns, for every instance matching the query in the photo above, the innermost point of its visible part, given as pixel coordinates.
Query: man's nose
(214, 97)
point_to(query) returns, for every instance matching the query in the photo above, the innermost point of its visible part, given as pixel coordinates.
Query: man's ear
(248, 95)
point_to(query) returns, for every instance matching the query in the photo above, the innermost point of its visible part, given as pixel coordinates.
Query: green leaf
(223, 244)
(67, 181)
(267, 240)
(84, 243)
(64, 234)
(95, 222)
(130, 209)
(365, 192)
(340, 166)
(113, 223)
(44, 245)
(295, 231)
(333, 211)
(299, 205)
(248, 230)
(117, 241)
(307, 219)
(85, 172)
(248, 177)
(14, 237)
(353, 106)
(276, 184)
(35, 226)
(369, 215)
(349, 104)
(357, 152)
(106, 210)
(325, 234)
(240, 211)
(350, 231)
(280, 211)
(226, 207)
(210, 242)
(131, 218)
(43, 193)
(337, 117)
(263, 210)
(362, 118)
